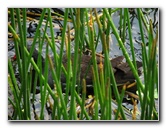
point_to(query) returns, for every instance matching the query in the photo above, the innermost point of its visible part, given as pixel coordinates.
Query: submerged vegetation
(74, 31)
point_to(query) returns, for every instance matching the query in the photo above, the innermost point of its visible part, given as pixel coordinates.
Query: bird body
(121, 69)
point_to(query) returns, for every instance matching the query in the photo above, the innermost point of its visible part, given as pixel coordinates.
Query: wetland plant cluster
(78, 32)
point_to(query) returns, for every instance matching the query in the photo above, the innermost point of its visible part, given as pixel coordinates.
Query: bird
(32, 28)
(122, 70)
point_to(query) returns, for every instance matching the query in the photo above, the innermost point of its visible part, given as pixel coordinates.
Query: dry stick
(132, 95)
(134, 109)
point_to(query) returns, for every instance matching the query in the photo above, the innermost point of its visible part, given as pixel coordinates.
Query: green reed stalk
(46, 68)
(130, 37)
(12, 29)
(58, 68)
(81, 40)
(153, 66)
(43, 91)
(115, 10)
(124, 50)
(24, 26)
(96, 84)
(40, 74)
(58, 86)
(148, 103)
(144, 57)
(102, 88)
(83, 98)
(72, 17)
(36, 34)
(144, 104)
(93, 50)
(121, 99)
(145, 22)
(72, 114)
(96, 106)
(33, 63)
(69, 67)
(124, 27)
(109, 70)
(80, 102)
(52, 37)
(132, 46)
(56, 54)
(39, 63)
(108, 73)
(108, 100)
(24, 83)
(13, 86)
(107, 81)
(16, 45)
(12, 102)
(59, 90)
(62, 43)
(101, 81)
(120, 22)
